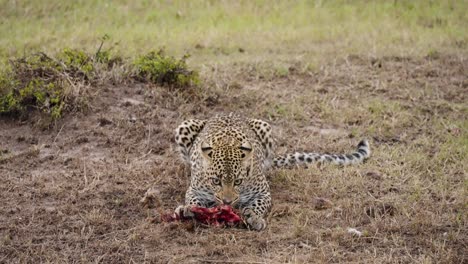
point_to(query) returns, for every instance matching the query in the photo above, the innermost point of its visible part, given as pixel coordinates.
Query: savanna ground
(324, 74)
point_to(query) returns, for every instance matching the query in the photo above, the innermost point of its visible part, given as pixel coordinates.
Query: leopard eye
(216, 181)
(238, 182)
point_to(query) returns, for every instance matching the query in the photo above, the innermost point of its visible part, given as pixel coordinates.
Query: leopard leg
(195, 197)
(255, 211)
(263, 131)
(185, 135)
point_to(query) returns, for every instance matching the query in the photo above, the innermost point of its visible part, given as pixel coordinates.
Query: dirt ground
(70, 194)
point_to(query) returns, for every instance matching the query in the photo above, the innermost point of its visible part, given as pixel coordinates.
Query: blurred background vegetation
(226, 31)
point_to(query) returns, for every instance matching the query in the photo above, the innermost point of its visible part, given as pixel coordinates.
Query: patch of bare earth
(71, 193)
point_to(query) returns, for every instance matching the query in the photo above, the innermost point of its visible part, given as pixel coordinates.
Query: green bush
(77, 61)
(45, 83)
(39, 90)
(40, 82)
(158, 68)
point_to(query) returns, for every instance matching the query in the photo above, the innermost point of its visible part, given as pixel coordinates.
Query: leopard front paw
(254, 221)
(184, 211)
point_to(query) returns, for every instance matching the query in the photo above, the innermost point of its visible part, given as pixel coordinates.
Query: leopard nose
(227, 201)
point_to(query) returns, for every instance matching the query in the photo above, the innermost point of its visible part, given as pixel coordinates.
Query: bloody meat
(221, 215)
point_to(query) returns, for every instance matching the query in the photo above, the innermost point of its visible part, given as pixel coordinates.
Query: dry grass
(71, 193)
(76, 198)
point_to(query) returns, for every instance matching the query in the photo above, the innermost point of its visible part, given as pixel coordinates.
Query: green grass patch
(210, 30)
(158, 68)
(46, 83)
(54, 84)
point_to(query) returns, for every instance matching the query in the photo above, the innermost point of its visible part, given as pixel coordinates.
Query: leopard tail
(303, 158)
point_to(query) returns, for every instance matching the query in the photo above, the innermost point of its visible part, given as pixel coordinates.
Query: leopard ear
(246, 149)
(207, 150)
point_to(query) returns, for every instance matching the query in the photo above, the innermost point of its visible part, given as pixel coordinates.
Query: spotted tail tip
(363, 148)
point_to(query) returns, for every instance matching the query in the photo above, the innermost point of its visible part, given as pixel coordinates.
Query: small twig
(99, 49)
(67, 77)
(55, 139)
(84, 174)
(103, 39)
(229, 261)
(144, 155)
(149, 136)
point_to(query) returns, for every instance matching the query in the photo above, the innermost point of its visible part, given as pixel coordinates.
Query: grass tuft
(46, 83)
(49, 84)
(36, 82)
(158, 68)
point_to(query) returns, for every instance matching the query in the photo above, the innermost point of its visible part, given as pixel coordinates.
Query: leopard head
(227, 163)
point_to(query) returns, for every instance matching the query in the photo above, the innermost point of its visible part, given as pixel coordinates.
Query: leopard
(229, 157)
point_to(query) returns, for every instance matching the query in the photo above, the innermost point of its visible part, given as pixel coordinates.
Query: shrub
(49, 84)
(158, 68)
(32, 82)
(41, 82)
